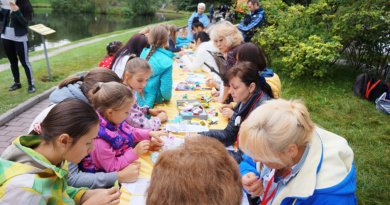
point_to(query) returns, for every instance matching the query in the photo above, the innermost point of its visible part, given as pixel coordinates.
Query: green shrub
(298, 35)
(310, 39)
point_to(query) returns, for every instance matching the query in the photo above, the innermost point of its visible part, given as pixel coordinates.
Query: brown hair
(252, 53)
(173, 33)
(135, 65)
(179, 175)
(248, 73)
(90, 79)
(254, 2)
(111, 95)
(158, 38)
(135, 45)
(73, 117)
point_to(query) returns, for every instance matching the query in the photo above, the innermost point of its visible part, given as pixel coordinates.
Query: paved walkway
(66, 48)
(20, 124)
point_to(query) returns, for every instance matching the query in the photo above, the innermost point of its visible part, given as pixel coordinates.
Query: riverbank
(69, 62)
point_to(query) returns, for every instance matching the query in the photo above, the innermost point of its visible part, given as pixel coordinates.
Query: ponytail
(70, 80)
(158, 38)
(264, 86)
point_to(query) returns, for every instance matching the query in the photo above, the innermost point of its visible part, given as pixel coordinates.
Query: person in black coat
(14, 17)
(249, 90)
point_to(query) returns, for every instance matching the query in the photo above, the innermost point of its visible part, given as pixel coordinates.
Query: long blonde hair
(157, 38)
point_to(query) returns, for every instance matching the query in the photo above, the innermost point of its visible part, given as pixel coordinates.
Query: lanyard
(250, 109)
(266, 197)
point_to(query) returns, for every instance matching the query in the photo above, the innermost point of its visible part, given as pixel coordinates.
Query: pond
(73, 27)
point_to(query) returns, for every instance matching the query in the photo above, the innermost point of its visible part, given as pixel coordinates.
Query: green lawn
(334, 107)
(63, 65)
(40, 3)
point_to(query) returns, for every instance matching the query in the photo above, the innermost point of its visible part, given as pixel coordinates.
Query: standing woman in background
(14, 17)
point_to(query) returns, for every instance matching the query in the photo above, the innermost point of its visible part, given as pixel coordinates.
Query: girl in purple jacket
(114, 145)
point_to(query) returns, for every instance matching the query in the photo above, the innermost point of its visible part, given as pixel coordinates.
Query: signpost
(44, 31)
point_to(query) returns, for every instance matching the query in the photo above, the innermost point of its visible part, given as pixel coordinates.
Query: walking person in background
(211, 13)
(14, 17)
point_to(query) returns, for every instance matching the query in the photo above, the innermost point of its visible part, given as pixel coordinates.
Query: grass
(334, 107)
(62, 65)
(40, 3)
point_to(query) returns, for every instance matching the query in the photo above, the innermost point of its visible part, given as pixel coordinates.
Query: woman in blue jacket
(292, 161)
(159, 85)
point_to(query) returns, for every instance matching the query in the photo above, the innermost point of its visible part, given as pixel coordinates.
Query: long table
(179, 75)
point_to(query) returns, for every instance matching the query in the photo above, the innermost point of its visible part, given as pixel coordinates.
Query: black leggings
(13, 50)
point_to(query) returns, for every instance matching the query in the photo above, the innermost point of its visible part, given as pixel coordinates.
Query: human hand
(229, 106)
(155, 145)
(252, 184)
(162, 116)
(157, 134)
(101, 196)
(215, 93)
(155, 111)
(211, 83)
(227, 112)
(13, 6)
(191, 46)
(142, 147)
(129, 173)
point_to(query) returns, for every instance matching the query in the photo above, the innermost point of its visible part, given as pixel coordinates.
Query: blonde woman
(226, 38)
(294, 161)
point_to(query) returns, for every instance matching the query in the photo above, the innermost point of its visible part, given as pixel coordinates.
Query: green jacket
(27, 177)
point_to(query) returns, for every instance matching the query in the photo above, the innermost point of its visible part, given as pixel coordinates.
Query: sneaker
(15, 86)
(31, 89)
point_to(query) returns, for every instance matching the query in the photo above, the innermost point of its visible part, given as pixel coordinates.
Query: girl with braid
(159, 86)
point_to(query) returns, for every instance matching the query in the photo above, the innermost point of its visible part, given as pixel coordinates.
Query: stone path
(20, 124)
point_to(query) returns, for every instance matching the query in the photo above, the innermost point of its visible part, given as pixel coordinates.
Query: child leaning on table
(115, 141)
(34, 167)
(136, 75)
(159, 86)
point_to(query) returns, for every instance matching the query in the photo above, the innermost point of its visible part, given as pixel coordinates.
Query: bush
(73, 6)
(309, 40)
(364, 30)
(298, 35)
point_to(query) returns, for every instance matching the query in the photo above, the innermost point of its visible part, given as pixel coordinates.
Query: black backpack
(369, 88)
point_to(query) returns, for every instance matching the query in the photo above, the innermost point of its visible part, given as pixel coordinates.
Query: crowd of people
(103, 121)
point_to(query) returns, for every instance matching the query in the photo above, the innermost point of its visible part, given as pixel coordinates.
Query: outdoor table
(179, 75)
